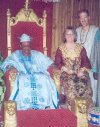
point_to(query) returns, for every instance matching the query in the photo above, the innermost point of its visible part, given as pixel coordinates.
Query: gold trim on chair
(12, 77)
(10, 115)
(26, 15)
(81, 112)
(56, 77)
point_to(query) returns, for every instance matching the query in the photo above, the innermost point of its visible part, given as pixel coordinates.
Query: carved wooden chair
(26, 21)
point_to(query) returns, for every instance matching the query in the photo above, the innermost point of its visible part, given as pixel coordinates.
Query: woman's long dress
(73, 85)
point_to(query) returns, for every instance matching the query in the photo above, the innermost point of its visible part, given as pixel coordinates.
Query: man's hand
(95, 75)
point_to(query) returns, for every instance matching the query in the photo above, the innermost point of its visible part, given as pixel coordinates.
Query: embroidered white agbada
(33, 87)
(87, 38)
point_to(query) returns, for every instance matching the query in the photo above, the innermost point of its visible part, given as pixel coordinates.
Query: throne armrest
(9, 80)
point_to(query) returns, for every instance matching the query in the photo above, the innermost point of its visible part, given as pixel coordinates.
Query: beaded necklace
(82, 39)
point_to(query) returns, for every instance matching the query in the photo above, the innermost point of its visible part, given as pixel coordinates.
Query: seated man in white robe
(33, 87)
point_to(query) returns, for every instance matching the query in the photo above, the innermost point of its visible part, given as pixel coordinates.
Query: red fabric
(32, 29)
(51, 70)
(84, 59)
(46, 118)
(58, 59)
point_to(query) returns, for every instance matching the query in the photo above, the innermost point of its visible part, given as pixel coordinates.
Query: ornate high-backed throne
(26, 21)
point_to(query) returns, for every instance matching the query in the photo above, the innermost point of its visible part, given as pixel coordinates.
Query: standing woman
(74, 65)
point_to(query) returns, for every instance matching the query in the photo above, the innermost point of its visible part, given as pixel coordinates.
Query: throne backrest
(26, 21)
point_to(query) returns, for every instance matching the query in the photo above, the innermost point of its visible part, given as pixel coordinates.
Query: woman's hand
(80, 73)
(70, 72)
(64, 69)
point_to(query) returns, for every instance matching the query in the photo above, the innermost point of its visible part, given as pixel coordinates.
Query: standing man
(95, 60)
(85, 35)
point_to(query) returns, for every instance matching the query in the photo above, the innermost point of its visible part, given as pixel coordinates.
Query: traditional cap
(24, 38)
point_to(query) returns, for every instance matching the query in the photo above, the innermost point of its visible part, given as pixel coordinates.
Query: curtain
(65, 14)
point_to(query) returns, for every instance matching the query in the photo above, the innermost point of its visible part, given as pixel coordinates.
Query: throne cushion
(46, 118)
